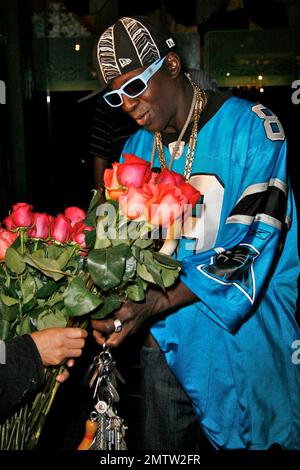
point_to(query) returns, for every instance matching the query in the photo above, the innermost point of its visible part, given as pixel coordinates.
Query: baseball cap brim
(91, 95)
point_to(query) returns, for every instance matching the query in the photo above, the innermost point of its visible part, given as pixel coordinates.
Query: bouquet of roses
(58, 271)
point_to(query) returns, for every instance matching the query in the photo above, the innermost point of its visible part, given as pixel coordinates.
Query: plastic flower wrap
(64, 270)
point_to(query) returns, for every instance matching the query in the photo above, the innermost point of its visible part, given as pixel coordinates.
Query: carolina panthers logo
(234, 266)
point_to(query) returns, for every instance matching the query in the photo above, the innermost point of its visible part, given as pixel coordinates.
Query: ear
(173, 64)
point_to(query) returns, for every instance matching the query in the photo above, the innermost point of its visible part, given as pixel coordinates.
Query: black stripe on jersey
(271, 202)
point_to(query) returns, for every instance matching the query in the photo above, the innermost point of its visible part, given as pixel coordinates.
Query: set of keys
(105, 430)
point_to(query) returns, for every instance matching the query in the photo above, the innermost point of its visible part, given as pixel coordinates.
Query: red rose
(61, 229)
(6, 239)
(41, 226)
(78, 234)
(22, 215)
(75, 214)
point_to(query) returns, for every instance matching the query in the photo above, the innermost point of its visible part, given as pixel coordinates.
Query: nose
(129, 104)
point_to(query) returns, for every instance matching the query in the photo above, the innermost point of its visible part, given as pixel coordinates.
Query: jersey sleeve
(231, 278)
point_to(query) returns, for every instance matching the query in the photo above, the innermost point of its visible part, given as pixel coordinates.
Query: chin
(153, 127)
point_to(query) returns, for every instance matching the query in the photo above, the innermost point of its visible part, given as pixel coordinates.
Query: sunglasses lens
(114, 99)
(135, 87)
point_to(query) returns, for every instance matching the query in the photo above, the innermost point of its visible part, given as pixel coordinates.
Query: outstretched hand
(133, 314)
(55, 345)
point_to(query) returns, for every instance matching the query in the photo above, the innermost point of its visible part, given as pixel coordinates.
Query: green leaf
(50, 319)
(166, 260)
(134, 229)
(14, 260)
(110, 303)
(102, 243)
(53, 251)
(169, 276)
(142, 243)
(120, 241)
(49, 267)
(90, 218)
(40, 253)
(48, 289)
(130, 268)
(135, 291)
(9, 313)
(137, 253)
(64, 257)
(101, 240)
(4, 329)
(29, 305)
(8, 301)
(24, 326)
(28, 288)
(34, 313)
(56, 298)
(107, 266)
(153, 268)
(90, 238)
(79, 300)
(144, 273)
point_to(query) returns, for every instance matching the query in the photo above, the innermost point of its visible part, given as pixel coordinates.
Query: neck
(183, 105)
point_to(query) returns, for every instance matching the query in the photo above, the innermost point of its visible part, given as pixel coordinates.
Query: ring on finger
(118, 325)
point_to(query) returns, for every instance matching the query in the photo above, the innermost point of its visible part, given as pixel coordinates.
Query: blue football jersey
(232, 351)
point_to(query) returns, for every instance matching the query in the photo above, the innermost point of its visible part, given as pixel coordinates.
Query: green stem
(22, 247)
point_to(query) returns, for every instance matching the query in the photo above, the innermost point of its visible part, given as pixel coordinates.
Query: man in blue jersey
(222, 340)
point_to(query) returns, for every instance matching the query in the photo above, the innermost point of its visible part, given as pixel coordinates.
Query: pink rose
(135, 202)
(113, 189)
(191, 193)
(9, 223)
(75, 214)
(22, 215)
(6, 239)
(78, 235)
(134, 171)
(41, 226)
(170, 177)
(170, 203)
(61, 229)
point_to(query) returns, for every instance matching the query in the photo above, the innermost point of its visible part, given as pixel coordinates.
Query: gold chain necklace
(198, 103)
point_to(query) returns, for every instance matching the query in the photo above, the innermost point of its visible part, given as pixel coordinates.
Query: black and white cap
(129, 44)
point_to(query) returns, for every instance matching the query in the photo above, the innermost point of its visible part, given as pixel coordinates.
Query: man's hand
(55, 345)
(133, 314)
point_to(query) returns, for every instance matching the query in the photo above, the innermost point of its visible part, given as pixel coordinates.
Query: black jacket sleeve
(21, 373)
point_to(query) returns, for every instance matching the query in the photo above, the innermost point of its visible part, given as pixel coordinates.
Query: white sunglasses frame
(144, 77)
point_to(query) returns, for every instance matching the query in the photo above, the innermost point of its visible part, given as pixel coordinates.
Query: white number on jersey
(204, 228)
(272, 125)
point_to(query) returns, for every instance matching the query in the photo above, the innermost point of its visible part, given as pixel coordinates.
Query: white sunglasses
(135, 86)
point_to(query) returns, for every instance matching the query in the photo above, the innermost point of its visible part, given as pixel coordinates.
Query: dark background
(44, 147)
(44, 150)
